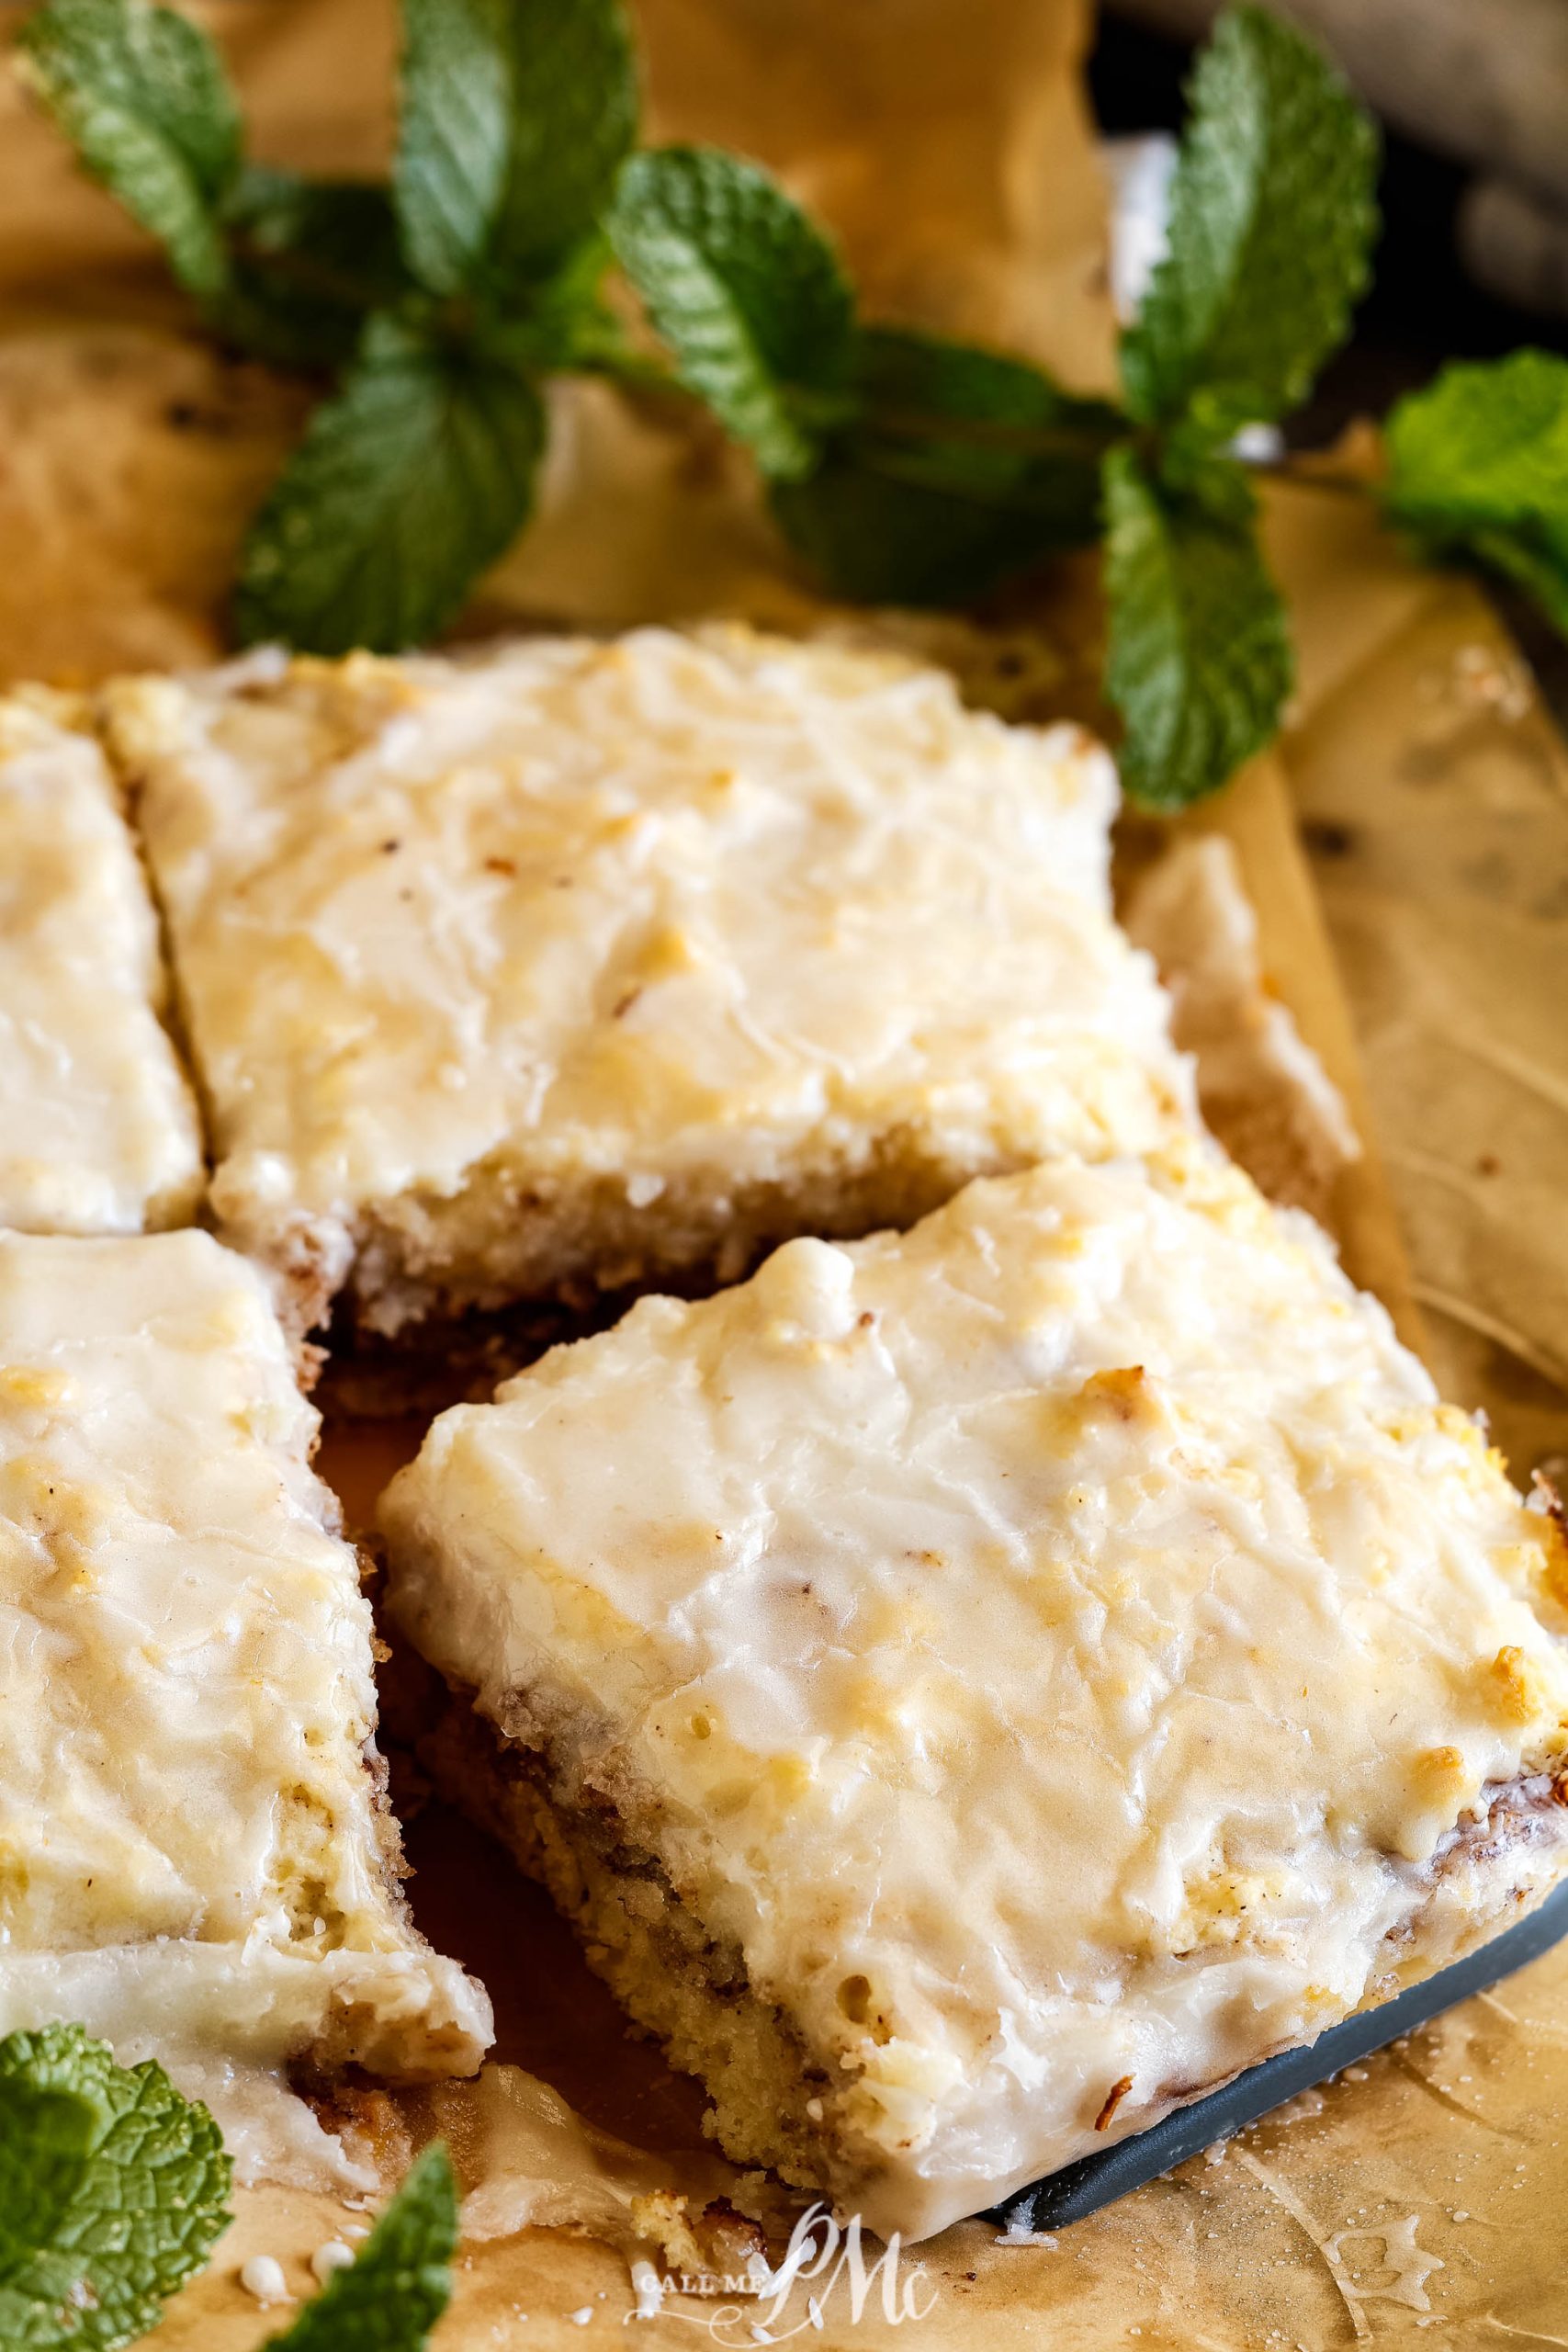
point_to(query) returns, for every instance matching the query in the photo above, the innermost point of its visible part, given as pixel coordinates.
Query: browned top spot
(1124, 1391)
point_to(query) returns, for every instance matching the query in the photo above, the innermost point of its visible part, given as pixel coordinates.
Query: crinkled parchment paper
(947, 140)
(1432, 788)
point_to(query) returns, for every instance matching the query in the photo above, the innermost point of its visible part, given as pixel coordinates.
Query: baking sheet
(950, 144)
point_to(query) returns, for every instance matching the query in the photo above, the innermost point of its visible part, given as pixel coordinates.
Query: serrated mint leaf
(1272, 221)
(310, 259)
(402, 2282)
(113, 2191)
(1478, 464)
(142, 94)
(516, 116)
(413, 479)
(1198, 659)
(744, 289)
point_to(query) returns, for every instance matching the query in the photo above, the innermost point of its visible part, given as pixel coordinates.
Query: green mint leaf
(877, 534)
(113, 2191)
(395, 2292)
(744, 289)
(142, 94)
(417, 474)
(1488, 440)
(1478, 465)
(886, 521)
(310, 259)
(1272, 221)
(964, 467)
(562, 320)
(1199, 662)
(516, 116)
(1537, 561)
(905, 375)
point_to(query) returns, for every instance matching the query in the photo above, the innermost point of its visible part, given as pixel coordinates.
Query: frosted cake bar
(100, 1133)
(578, 966)
(974, 1691)
(195, 1856)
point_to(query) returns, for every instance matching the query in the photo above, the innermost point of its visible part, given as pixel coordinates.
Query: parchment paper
(1433, 791)
(949, 143)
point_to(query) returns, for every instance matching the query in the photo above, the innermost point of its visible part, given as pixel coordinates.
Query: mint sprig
(954, 466)
(886, 520)
(1478, 466)
(304, 257)
(113, 2191)
(393, 2294)
(927, 382)
(901, 467)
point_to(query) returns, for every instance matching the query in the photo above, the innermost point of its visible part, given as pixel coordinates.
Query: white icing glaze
(269, 2132)
(1057, 1645)
(503, 969)
(100, 1133)
(188, 1842)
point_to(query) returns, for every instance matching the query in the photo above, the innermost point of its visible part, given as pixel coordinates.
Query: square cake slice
(575, 967)
(194, 1854)
(101, 1132)
(974, 1691)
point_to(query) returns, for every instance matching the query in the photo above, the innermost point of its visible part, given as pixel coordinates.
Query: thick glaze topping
(190, 1847)
(673, 917)
(100, 1134)
(1065, 1648)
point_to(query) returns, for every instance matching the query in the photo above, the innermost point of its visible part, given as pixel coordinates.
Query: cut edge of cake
(778, 2103)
